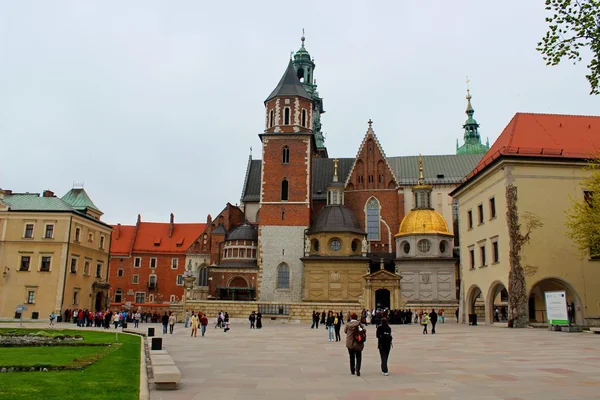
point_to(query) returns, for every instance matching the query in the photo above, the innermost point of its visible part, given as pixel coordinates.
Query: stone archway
(497, 297)
(237, 281)
(475, 304)
(537, 299)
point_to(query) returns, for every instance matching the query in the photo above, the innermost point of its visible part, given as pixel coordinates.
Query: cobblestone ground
(459, 362)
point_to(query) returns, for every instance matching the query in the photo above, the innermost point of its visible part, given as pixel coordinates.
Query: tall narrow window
(480, 212)
(285, 156)
(203, 277)
(284, 189)
(271, 118)
(283, 277)
(28, 231)
(470, 219)
(304, 118)
(286, 116)
(49, 234)
(373, 219)
(492, 208)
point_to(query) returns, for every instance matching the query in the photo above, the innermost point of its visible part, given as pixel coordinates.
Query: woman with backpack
(356, 335)
(384, 344)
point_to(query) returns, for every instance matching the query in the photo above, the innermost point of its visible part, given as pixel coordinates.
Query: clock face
(335, 245)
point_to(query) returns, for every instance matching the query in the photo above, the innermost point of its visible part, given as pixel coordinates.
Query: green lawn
(54, 356)
(116, 376)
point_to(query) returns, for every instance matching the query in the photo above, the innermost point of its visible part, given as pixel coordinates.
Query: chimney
(171, 225)
(48, 193)
(118, 233)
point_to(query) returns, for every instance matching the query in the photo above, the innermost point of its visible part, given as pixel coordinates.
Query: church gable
(371, 169)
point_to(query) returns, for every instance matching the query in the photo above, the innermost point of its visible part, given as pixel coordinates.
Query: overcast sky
(154, 105)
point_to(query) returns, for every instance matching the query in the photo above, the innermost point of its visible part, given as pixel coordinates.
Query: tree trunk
(517, 293)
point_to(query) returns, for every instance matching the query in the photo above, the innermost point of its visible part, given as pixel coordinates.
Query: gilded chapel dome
(423, 221)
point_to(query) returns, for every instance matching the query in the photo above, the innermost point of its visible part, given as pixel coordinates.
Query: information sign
(556, 308)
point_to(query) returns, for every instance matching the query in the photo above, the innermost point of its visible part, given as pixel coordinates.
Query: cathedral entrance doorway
(99, 302)
(382, 299)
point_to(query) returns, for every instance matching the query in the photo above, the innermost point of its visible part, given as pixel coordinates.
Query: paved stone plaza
(460, 362)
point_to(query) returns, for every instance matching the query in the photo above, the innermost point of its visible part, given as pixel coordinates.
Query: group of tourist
(356, 335)
(255, 319)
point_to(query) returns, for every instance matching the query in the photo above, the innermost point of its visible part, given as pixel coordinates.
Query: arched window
(285, 158)
(284, 189)
(286, 116)
(271, 118)
(304, 118)
(283, 277)
(373, 219)
(203, 277)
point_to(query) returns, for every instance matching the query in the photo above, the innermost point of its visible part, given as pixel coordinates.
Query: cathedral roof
(439, 169)
(243, 232)
(423, 221)
(289, 85)
(335, 218)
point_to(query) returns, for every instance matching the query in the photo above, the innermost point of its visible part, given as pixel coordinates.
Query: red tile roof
(153, 237)
(122, 236)
(545, 135)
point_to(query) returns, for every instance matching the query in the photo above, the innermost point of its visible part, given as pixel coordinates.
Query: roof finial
(468, 91)
(370, 123)
(421, 179)
(302, 38)
(335, 169)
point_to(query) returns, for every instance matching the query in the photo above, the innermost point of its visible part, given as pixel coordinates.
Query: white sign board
(556, 308)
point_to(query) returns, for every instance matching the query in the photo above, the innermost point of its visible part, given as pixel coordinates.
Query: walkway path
(460, 362)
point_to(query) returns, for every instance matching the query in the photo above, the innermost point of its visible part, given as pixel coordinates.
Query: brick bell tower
(288, 147)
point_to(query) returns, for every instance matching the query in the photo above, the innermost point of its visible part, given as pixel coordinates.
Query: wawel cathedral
(371, 229)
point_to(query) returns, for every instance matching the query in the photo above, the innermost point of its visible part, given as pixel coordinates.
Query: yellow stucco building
(537, 164)
(53, 253)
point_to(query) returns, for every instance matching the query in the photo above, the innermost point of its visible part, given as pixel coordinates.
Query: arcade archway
(537, 299)
(497, 299)
(475, 304)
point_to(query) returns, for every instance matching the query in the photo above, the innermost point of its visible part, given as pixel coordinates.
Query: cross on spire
(370, 122)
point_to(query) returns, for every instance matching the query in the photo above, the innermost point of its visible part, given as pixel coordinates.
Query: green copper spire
(305, 66)
(472, 138)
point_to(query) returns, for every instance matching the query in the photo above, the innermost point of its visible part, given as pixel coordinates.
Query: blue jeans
(164, 329)
(203, 329)
(187, 321)
(330, 328)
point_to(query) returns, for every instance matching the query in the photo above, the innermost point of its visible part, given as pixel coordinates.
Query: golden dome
(423, 221)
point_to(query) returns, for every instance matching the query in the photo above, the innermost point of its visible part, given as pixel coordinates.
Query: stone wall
(281, 244)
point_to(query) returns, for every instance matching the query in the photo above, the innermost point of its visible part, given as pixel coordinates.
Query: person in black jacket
(433, 317)
(339, 320)
(384, 344)
(323, 316)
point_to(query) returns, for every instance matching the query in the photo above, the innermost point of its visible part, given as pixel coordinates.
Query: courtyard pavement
(292, 361)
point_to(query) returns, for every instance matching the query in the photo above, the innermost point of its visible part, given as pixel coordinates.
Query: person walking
(136, 319)
(187, 318)
(116, 319)
(259, 320)
(172, 321)
(329, 323)
(252, 319)
(323, 315)
(194, 323)
(52, 318)
(165, 322)
(456, 315)
(384, 344)
(424, 322)
(315, 320)
(337, 325)
(433, 317)
(354, 346)
(203, 323)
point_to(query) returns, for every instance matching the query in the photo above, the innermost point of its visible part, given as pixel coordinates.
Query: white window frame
(76, 296)
(174, 263)
(25, 230)
(494, 241)
(151, 262)
(28, 291)
(135, 260)
(91, 236)
(179, 280)
(71, 265)
(99, 275)
(77, 237)
(120, 273)
(102, 242)
(119, 292)
(150, 298)
(136, 279)
(172, 299)
(28, 255)
(42, 256)
(136, 297)
(46, 231)
(86, 267)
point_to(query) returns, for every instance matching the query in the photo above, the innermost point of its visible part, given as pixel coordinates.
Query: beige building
(53, 253)
(541, 159)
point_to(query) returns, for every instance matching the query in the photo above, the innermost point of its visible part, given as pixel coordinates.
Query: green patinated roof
(472, 148)
(79, 199)
(33, 202)
(472, 144)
